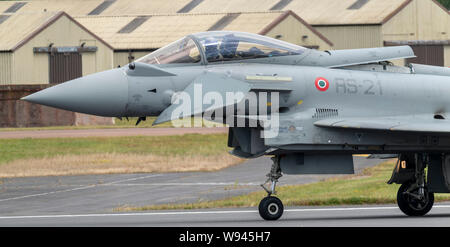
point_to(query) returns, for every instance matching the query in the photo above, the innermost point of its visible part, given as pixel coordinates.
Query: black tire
(412, 206)
(271, 208)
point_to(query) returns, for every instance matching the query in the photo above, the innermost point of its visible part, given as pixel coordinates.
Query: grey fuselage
(352, 93)
(358, 88)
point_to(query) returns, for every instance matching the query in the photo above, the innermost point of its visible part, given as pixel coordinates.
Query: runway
(102, 193)
(361, 216)
(90, 200)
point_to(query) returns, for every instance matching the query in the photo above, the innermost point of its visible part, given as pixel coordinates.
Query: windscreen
(181, 51)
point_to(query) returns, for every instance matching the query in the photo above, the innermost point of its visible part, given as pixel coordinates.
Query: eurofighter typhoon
(309, 110)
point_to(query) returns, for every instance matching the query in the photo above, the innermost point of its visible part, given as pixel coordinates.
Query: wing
(343, 58)
(203, 84)
(408, 124)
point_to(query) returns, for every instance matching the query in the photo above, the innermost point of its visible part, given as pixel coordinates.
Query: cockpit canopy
(220, 46)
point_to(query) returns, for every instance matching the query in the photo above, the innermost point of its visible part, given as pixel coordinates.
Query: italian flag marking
(322, 84)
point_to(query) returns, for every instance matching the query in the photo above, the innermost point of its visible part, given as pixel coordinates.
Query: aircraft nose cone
(103, 94)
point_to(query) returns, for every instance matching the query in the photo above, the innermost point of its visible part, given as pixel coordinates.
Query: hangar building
(43, 44)
(39, 48)
(133, 36)
(423, 24)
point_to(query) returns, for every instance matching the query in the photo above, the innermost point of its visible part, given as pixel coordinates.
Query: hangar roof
(18, 28)
(100, 7)
(71, 7)
(146, 7)
(318, 12)
(154, 31)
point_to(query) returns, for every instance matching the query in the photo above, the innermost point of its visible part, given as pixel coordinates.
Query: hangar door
(428, 54)
(65, 66)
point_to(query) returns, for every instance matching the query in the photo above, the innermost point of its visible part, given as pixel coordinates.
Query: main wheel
(411, 205)
(271, 208)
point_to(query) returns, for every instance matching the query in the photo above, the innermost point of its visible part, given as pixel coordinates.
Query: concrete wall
(33, 68)
(17, 113)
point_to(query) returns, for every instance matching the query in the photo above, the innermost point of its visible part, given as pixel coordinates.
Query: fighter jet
(309, 110)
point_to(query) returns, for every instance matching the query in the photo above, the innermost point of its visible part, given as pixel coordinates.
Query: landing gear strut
(271, 208)
(413, 197)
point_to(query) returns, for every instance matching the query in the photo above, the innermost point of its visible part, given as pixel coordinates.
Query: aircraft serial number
(351, 86)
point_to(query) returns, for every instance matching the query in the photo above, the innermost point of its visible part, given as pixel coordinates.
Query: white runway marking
(75, 189)
(188, 184)
(46, 193)
(201, 212)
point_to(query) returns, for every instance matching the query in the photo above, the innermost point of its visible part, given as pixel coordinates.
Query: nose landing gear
(271, 208)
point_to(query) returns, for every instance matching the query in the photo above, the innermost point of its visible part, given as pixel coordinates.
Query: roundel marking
(322, 84)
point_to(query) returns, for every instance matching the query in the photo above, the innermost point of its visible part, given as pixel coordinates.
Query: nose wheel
(271, 208)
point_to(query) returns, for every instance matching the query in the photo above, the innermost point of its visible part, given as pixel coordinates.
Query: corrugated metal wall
(121, 57)
(403, 26)
(419, 20)
(352, 37)
(447, 55)
(64, 67)
(63, 32)
(428, 54)
(293, 31)
(5, 67)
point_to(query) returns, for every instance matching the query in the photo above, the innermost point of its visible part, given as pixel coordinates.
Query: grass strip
(105, 155)
(181, 145)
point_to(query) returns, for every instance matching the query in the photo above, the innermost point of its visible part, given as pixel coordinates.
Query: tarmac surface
(361, 216)
(89, 200)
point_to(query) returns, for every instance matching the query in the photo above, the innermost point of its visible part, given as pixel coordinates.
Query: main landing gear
(413, 200)
(271, 208)
(413, 197)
